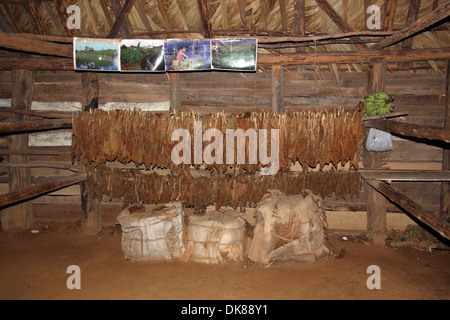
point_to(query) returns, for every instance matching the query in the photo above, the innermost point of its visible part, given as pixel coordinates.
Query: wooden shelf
(405, 175)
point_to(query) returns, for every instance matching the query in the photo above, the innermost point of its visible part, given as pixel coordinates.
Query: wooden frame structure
(25, 53)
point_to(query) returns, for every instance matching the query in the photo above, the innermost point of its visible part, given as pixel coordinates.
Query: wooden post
(445, 186)
(175, 92)
(376, 203)
(20, 215)
(277, 89)
(91, 218)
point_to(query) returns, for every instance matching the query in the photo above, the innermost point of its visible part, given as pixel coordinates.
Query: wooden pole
(175, 92)
(35, 125)
(445, 186)
(376, 204)
(420, 25)
(410, 130)
(277, 89)
(423, 215)
(91, 218)
(206, 21)
(20, 215)
(38, 190)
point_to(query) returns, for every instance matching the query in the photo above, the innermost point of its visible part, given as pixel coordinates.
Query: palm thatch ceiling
(281, 26)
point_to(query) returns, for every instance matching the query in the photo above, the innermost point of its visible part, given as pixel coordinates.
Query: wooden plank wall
(419, 94)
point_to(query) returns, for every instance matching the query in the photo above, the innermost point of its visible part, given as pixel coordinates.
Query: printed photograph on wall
(234, 54)
(142, 55)
(96, 54)
(187, 54)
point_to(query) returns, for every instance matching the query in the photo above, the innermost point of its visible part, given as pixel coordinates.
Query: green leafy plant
(379, 103)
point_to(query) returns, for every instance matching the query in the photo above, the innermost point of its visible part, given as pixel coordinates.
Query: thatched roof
(266, 19)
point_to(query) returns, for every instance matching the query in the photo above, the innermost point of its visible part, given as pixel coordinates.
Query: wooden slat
(410, 130)
(277, 89)
(334, 16)
(242, 14)
(121, 18)
(283, 14)
(445, 187)
(41, 189)
(405, 175)
(417, 211)
(413, 13)
(389, 14)
(204, 16)
(34, 125)
(420, 25)
(19, 178)
(124, 26)
(32, 45)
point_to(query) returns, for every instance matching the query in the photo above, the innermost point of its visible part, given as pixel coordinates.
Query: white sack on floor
(215, 237)
(154, 234)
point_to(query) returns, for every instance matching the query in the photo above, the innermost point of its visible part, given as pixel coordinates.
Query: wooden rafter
(52, 15)
(120, 18)
(162, 11)
(420, 25)
(26, 11)
(283, 14)
(31, 4)
(105, 10)
(299, 18)
(389, 14)
(262, 5)
(224, 12)
(204, 15)
(334, 16)
(242, 14)
(4, 25)
(143, 15)
(91, 17)
(413, 13)
(124, 26)
(64, 17)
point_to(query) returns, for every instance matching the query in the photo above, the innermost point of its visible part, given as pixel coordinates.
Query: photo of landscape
(142, 55)
(96, 54)
(187, 54)
(234, 54)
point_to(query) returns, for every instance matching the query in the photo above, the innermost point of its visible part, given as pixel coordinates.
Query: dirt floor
(34, 266)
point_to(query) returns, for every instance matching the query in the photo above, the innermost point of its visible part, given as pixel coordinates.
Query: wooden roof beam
(224, 9)
(17, 42)
(242, 14)
(299, 18)
(143, 15)
(123, 26)
(283, 14)
(413, 13)
(420, 25)
(162, 10)
(334, 16)
(204, 15)
(64, 17)
(120, 18)
(33, 15)
(389, 14)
